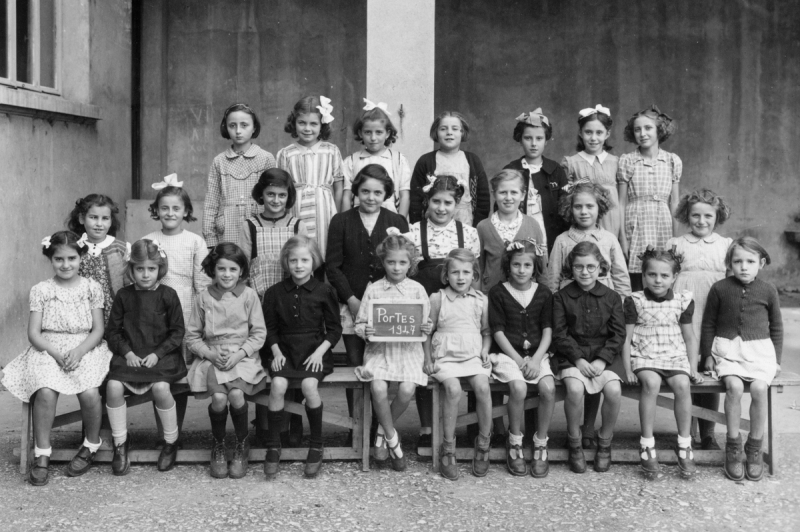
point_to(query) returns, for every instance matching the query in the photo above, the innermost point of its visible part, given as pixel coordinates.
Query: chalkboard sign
(397, 320)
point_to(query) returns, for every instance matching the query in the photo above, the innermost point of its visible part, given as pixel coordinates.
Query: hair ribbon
(169, 181)
(161, 251)
(325, 110)
(380, 105)
(94, 249)
(654, 112)
(534, 118)
(431, 181)
(520, 244)
(597, 109)
(46, 242)
(393, 231)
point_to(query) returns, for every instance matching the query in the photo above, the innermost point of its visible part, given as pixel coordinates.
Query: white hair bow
(46, 242)
(393, 231)
(127, 251)
(161, 251)
(380, 105)
(534, 118)
(431, 181)
(520, 244)
(325, 109)
(592, 110)
(169, 181)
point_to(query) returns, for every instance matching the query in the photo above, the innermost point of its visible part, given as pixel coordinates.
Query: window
(29, 44)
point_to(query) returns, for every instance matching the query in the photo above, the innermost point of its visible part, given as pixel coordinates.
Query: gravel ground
(344, 498)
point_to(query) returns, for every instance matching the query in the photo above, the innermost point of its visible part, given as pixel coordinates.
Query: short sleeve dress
(657, 342)
(66, 322)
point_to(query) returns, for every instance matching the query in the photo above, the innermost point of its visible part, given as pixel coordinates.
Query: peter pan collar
(669, 296)
(710, 239)
(637, 156)
(591, 158)
(574, 290)
(289, 285)
(579, 235)
(217, 292)
(95, 249)
(364, 154)
(452, 294)
(251, 152)
(401, 287)
(450, 227)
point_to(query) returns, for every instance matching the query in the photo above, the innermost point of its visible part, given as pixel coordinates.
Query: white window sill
(46, 106)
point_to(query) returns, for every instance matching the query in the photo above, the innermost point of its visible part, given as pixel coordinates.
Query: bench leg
(26, 438)
(436, 428)
(772, 438)
(366, 424)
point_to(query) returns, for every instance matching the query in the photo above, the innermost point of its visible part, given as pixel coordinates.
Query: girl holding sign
(386, 362)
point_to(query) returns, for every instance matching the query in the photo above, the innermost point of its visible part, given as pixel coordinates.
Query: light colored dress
(314, 171)
(396, 166)
(648, 220)
(657, 341)
(185, 254)
(601, 170)
(66, 322)
(392, 361)
(460, 323)
(703, 265)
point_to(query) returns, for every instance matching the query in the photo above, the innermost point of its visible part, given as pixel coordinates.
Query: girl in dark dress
(145, 332)
(302, 317)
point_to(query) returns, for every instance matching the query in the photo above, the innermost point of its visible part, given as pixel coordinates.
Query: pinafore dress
(265, 257)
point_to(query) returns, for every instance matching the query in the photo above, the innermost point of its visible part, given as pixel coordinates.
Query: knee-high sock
(218, 422)
(275, 421)
(169, 420)
(118, 419)
(239, 418)
(315, 426)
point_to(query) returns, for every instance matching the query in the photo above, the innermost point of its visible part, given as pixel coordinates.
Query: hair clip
(534, 118)
(325, 110)
(161, 251)
(431, 181)
(592, 110)
(380, 105)
(46, 242)
(169, 181)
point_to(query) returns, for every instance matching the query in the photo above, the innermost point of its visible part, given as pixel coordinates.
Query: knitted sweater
(750, 311)
(506, 315)
(493, 246)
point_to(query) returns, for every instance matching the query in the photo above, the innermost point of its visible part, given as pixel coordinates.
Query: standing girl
(386, 362)
(95, 217)
(594, 163)
(588, 333)
(232, 175)
(742, 341)
(145, 334)
(544, 179)
(226, 332)
(374, 129)
(459, 348)
(521, 321)
(506, 225)
(449, 130)
(302, 317)
(315, 165)
(67, 354)
(703, 265)
(648, 183)
(661, 345)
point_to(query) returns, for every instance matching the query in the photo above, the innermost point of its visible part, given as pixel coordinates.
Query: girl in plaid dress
(386, 362)
(648, 184)
(661, 345)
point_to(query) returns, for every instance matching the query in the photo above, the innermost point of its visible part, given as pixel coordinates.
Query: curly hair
(520, 128)
(669, 256)
(399, 243)
(465, 129)
(304, 106)
(228, 251)
(275, 177)
(145, 249)
(527, 247)
(81, 209)
(707, 196)
(747, 243)
(173, 191)
(601, 196)
(665, 126)
(301, 241)
(223, 126)
(64, 238)
(377, 172)
(378, 115)
(460, 255)
(600, 117)
(585, 249)
(445, 183)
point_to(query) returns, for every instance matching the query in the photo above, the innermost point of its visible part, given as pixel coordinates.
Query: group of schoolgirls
(556, 273)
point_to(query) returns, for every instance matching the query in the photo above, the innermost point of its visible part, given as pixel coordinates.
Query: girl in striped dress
(315, 165)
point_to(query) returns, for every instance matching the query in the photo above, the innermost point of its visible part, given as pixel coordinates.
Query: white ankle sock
(683, 443)
(647, 442)
(93, 447)
(425, 430)
(118, 419)
(37, 451)
(539, 443)
(169, 420)
(515, 439)
(394, 445)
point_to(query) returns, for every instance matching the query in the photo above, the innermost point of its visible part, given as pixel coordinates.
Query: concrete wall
(728, 72)
(46, 165)
(199, 57)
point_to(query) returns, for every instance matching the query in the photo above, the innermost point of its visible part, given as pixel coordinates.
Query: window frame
(11, 50)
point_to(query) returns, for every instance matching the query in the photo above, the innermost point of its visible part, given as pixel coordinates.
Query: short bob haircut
(600, 117)
(145, 249)
(301, 241)
(747, 243)
(275, 177)
(373, 171)
(707, 196)
(520, 128)
(223, 126)
(585, 249)
(665, 126)
(455, 114)
(378, 115)
(306, 105)
(82, 206)
(461, 255)
(399, 243)
(64, 238)
(601, 195)
(443, 183)
(669, 256)
(507, 175)
(173, 191)
(528, 248)
(228, 251)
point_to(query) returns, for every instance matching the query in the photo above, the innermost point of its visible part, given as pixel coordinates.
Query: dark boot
(241, 457)
(577, 460)
(602, 458)
(315, 448)
(39, 474)
(219, 459)
(121, 463)
(168, 456)
(734, 469)
(754, 468)
(273, 458)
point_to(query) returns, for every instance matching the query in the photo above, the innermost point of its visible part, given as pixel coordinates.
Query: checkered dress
(657, 340)
(647, 215)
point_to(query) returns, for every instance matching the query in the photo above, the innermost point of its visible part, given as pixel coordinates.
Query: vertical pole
(772, 441)
(136, 99)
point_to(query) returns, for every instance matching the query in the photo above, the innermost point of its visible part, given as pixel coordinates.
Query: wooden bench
(619, 455)
(341, 378)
